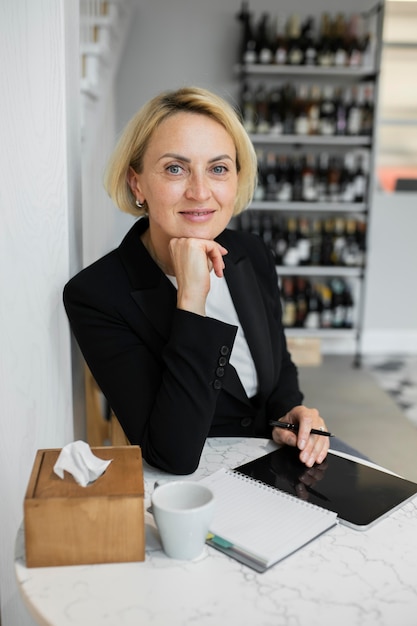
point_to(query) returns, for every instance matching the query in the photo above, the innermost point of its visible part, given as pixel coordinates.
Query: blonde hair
(131, 147)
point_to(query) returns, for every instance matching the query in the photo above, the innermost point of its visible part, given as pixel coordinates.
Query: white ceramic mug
(183, 511)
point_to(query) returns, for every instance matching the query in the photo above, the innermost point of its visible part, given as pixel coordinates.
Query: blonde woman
(181, 324)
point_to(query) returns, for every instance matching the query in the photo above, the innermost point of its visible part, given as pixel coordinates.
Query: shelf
(314, 207)
(400, 45)
(311, 140)
(398, 122)
(253, 75)
(308, 70)
(319, 270)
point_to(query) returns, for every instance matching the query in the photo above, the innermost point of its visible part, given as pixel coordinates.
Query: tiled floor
(398, 377)
(372, 408)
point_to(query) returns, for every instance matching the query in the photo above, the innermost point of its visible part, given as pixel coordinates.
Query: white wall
(189, 41)
(391, 298)
(391, 295)
(40, 194)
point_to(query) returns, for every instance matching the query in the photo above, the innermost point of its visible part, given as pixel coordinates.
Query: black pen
(294, 428)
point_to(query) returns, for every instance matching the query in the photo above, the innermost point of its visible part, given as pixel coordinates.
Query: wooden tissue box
(66, 524)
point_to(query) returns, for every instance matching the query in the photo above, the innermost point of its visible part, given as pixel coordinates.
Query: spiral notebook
(259, 525)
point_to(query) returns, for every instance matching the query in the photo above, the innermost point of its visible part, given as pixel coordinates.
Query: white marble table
(343, 578)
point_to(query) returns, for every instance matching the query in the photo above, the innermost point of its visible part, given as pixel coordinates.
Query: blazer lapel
(151, 289)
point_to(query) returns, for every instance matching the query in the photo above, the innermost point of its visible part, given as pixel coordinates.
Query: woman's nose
(198, 187)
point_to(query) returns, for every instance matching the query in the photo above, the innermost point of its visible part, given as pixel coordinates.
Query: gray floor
(362, 413)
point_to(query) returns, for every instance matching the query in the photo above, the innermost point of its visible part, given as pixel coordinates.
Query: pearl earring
(139, 204)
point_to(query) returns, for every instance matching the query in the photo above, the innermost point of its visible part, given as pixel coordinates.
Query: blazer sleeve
(164, 393)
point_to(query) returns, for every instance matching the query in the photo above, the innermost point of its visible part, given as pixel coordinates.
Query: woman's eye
(220, 169)
(174, 169)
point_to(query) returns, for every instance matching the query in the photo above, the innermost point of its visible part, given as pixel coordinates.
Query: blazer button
(245, 422)
(224, 350)
(220, 372)
(222, 361)
(217, 383)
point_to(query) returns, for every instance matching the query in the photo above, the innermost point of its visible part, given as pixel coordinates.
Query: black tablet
(360, 494)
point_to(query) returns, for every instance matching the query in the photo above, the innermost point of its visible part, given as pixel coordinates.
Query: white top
(219, 305)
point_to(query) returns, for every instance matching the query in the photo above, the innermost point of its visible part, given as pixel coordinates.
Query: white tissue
(78, 459)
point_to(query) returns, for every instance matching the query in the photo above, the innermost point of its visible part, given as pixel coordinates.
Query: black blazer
(165, 372)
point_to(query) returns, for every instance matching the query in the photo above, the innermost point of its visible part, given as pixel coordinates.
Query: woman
(181, 324)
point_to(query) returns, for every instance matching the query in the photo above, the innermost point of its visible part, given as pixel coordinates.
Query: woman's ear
(132, 181)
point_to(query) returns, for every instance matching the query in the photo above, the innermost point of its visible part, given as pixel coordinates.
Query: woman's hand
(193, 259)
(313, 448)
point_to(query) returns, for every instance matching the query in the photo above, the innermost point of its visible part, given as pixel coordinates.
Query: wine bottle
(276, 112)
(325, 54)
(339, 241)
(334, 179)
(271, 177)
(296, 178)
(368, 110)
(309, 182)
(322, 178)
(288, 302)
(340, 52)
(264, 44)
(352, 253)
(301, 122)
(308, 42)
(262, 109)
(267, 230)
(354, 54)
(300, 301)
(313, 113)
(304, 241)
(248, 108)
(281, 46)
(341, 113)
(327, 121)
(354, 121)
(284, 193)
(280, 239)
(347, 186)
(294, 53)
(255, 223)
(288, 99)
(326, 319)
(291, 256)
(315, 242)
(314, 308)
(337, 303)
(260, 189)
(359, 180)
(364, 40)
(326, 242)
(248, 40)
(361, 239)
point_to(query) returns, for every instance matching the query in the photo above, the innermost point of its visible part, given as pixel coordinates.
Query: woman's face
(189, 178)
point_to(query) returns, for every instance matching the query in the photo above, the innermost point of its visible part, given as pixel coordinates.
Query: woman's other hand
(313, 448)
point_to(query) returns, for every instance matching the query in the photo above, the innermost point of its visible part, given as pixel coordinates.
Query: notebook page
(252, 516)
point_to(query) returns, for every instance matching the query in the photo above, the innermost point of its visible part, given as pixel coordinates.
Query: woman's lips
(197, 215)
